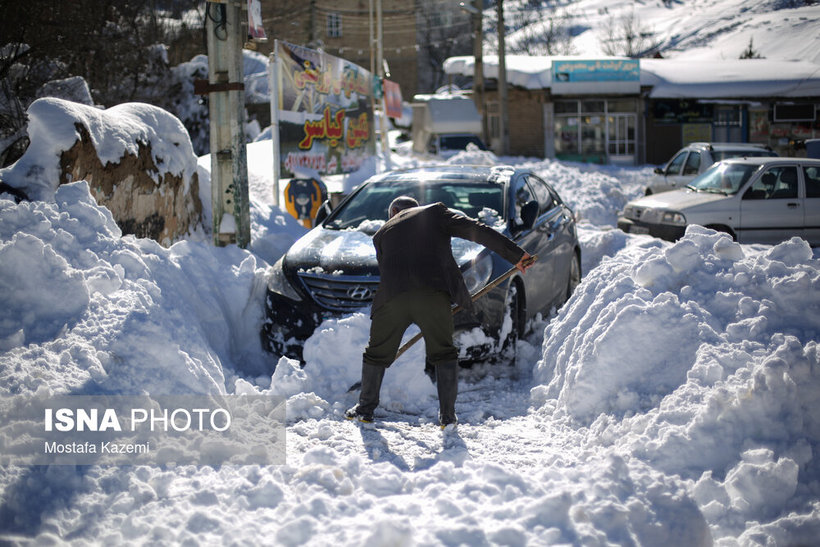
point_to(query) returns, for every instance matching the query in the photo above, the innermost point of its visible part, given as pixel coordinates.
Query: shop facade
(638, 111)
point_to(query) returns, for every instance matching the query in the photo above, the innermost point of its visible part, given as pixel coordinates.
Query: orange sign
(303, 197)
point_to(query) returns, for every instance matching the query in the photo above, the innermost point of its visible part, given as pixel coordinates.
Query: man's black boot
(447, 384)
(372, 376)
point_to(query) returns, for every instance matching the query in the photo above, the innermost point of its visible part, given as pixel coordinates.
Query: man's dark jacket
(413, 251)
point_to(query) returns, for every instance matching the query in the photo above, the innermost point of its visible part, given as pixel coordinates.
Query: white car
(695, 159)
(755, 200)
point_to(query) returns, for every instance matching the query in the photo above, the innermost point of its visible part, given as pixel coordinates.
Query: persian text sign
(601, 76)
(325, 112)
(142, 430)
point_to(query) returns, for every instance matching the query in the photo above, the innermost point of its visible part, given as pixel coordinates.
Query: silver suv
(696, 158)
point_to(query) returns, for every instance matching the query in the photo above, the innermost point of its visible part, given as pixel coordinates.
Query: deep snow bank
(88, 311)
(637, 328)
(701, 359)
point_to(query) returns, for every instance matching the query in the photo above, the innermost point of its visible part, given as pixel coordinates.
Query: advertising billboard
(324, 110)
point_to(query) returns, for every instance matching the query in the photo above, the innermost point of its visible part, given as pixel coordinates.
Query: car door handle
(792, 205)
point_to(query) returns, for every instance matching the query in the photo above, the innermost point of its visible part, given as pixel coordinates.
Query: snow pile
(86, 310)
(114, 132)
(473, 155)
(703, 288)
(595, 195)
(701, 359)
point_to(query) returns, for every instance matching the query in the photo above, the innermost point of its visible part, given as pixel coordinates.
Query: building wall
(418, 35)
(526, 119)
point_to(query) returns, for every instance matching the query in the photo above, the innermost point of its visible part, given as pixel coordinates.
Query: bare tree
(443, 31)
(115, 45)
(628, 37)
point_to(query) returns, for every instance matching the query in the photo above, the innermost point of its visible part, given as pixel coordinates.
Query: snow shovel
(475, 296)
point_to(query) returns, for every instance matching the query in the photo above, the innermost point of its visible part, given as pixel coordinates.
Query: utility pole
(476, 13)
(226, 91)
(380, 62)
(502, 81)
(478, 66)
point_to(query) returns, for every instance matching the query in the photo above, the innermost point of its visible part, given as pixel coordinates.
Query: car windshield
(370, 203)
(724, 178)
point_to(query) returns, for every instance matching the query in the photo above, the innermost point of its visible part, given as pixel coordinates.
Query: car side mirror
(659, 171)
(529, 212)
(322, 213)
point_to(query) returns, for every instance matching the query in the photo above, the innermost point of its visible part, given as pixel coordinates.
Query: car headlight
(478, 274)
(278, 283)
(673, 217)
(629, 212)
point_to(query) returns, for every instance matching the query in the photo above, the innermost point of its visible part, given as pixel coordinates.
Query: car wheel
(512, 309)
(723, 229)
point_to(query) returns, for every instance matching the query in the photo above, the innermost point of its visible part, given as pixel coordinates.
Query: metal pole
(372, 66)
(478, 67)
(380, 62)
(273, 85)
(229, 167)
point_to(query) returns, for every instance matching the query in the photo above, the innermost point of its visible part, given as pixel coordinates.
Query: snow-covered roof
(671, 78)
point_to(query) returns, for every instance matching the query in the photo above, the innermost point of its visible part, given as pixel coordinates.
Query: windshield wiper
(689, 186)
(716, 191)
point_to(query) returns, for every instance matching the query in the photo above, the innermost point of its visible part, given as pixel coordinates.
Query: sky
(672, 400)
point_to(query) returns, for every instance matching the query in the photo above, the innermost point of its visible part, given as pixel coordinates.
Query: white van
(756, 200)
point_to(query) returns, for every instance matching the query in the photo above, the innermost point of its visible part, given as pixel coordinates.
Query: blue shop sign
(604, 70)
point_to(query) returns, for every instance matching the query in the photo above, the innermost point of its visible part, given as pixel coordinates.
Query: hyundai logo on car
(359, 293)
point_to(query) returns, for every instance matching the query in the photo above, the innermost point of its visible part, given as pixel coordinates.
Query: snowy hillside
(694, 29)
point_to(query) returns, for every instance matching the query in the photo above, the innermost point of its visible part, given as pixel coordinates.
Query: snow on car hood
(677, 200)
(352, 251)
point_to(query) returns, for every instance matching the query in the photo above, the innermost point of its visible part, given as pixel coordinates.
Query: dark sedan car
(332, 270)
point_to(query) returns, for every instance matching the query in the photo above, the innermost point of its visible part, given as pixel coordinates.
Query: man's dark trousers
(430, 309)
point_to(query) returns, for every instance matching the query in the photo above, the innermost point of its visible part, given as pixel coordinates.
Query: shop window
(794, 113)
(727, 116)
(621, 105)
(593, 106)
(334, 25)
(621, 139)
(566, 107)
(592, 135)
(566, 135)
